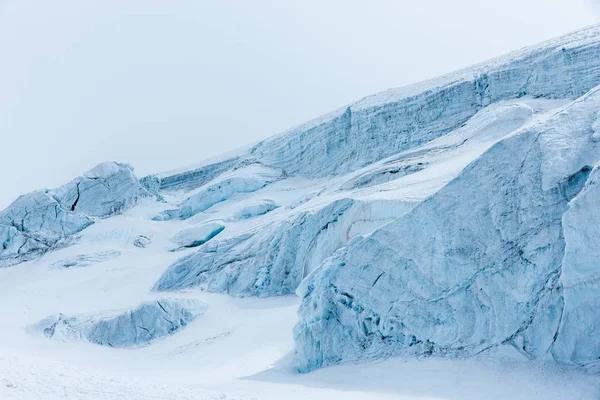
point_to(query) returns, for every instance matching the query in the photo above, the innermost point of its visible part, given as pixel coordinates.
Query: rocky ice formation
(39, 221)
(198, 235)
(141, 326)
(576, 341)
(477, 265)
(272, 260)
(239, 181)
(447, 218)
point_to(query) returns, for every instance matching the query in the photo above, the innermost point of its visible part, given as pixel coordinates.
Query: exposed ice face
(37, 221)
(399, 119)
(141, 326)
(273, 259)
(198, 235)
(577, 341)
(476, 265)
(245, 180)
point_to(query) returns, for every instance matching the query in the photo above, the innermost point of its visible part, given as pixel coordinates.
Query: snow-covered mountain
(454, 218)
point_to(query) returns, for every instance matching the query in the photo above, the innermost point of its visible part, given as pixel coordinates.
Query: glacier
(450, 218)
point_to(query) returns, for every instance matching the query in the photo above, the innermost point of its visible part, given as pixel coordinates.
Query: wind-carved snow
(476, 265)
(39, 221)
(245, 180)
(198, 235)
(84, 260)
(149, 322)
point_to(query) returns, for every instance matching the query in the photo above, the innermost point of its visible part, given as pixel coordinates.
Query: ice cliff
(481, 263)
(446, 218)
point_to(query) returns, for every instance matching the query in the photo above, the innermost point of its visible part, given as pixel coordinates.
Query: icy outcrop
(17, 246)
(273, 259)
(476, 265)
(38, 221)
(141, 326)
(190, 178)
(239, 181)
(576, 340)
(85, 260)
(198, 235)
(389, 122)
(256, 209)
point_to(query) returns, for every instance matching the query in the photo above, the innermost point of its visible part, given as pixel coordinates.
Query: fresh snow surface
(452, 223)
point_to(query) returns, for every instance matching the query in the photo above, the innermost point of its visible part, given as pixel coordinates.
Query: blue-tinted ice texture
(149, 322)
(478, 264)
(38, 221)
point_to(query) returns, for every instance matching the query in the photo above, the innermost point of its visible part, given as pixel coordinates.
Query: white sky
(163, 84)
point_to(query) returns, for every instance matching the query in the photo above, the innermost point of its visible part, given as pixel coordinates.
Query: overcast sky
(163, 84)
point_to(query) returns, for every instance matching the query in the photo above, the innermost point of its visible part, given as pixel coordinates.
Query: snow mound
(151, 321)
(38, 221)
(475, 266)
(198, 235)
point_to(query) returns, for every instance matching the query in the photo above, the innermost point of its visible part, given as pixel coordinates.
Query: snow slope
(452, 223)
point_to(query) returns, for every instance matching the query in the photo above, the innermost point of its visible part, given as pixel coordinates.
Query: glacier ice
(476, 265)
(577, 340)
(198, 235)
(272, 260)
(256, 209)
(38, 221)
(150, 321)
(288, 247)
(392, 121)
(447, 218)
(387, 123)
(245, 180)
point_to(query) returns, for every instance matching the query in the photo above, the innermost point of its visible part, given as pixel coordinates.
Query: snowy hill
(452, 223)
